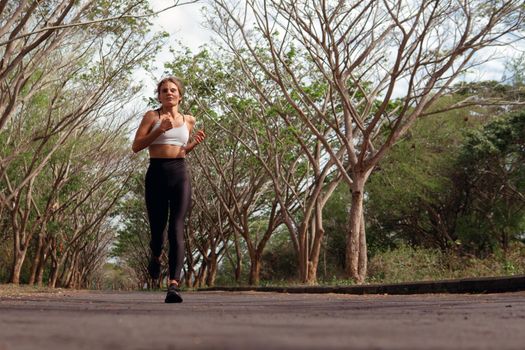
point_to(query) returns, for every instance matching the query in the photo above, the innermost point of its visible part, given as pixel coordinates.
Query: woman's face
(169, 94)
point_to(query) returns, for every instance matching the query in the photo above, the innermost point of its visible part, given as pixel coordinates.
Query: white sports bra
(178, 136)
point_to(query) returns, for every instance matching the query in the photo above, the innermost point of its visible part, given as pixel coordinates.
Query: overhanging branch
(80, 24)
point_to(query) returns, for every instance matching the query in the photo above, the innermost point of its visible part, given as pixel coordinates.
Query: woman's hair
(175, 81)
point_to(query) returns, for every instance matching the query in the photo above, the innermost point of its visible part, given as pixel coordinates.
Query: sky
(182, 22)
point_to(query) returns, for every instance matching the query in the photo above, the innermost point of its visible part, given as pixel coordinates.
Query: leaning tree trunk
(69, 270)
(19, 255)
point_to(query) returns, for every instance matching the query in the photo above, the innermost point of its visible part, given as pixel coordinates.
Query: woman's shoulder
(151, 115)
(149, 119)
(152, 112)
(189, 118)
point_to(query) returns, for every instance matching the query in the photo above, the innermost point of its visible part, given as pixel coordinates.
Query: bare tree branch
(52, 28)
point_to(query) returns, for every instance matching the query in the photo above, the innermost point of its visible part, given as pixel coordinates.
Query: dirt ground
(254, 320)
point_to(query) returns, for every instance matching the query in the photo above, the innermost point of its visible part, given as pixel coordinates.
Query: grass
(406, 264)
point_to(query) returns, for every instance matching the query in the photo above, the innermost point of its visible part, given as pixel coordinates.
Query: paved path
(251, 320)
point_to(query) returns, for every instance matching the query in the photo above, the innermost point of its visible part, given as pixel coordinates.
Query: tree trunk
(56, 264)
(20, 244)
(255, 269)
(313, 262)
(18, 261)
(311, 279)
(203, 271)
(212, 271)
(189, 277)
(53, 276)
(363, 255)
(69, 271)
(302, 254)
(354, 241)
(41, 266)
(36, 261)
(238, 254)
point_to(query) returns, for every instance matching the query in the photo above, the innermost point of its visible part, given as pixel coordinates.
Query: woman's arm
(197, 138)
(143, 136)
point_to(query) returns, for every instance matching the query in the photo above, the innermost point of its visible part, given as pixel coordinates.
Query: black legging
(168, 189)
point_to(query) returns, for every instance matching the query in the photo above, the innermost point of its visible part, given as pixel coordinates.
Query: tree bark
(212, 272)
(18, 261)
(363, 255)
(53, 276)
(36, 260)
(302, 254)
(42, 265)
(354, 240)
(318, 230)
(238, 263)
(255, 269)
(201, 277)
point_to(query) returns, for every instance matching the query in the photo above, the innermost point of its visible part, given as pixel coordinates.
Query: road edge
(465, 286)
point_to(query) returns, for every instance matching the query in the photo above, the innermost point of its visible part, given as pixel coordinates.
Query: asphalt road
(254, 320)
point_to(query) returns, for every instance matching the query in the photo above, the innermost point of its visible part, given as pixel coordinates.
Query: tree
(441, 185)
(492, 160)
(414, 195)
(66, 207)
(366, 52)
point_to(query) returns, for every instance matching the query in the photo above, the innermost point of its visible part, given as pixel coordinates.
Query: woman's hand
(199, 136)
(166, 124)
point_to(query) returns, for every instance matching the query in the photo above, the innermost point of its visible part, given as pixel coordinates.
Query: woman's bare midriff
(166, 151)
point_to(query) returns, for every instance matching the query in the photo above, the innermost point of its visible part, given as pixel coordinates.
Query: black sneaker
(154, 267)
(173, 295)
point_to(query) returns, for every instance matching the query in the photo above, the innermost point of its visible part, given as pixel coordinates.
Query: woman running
(166, 133)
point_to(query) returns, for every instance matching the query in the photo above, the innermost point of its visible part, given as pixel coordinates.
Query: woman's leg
(180, 201)
(157, 204)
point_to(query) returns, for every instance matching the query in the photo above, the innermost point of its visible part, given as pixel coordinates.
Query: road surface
(254, 320)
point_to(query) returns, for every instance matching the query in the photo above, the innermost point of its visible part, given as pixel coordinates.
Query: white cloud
(183, 23)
